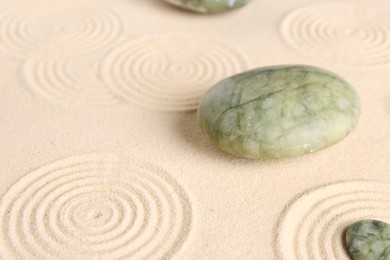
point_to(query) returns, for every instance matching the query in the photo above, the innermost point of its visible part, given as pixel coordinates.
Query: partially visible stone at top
(369, 240)
(209, 6)
(277, 112)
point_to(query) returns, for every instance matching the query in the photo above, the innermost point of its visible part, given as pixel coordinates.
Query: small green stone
(209, 6)
(280, 111)
(369, 240)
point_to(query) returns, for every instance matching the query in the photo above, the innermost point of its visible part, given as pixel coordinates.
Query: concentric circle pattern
(57, 28)
(313, 226)
(74, 80)
(349, 33)
(170, 72)
(94, 206)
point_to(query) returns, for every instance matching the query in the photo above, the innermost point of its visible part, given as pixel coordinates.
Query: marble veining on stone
(369, 240)
(280, 111)
(209, 6)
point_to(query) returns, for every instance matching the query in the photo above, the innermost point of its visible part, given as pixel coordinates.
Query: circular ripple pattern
(170, 72)
(57, 28)
(94, 206)
(75, 81)
(347, 33)
(313, 226)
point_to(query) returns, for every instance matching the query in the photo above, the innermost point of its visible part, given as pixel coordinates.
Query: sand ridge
(94, 206)
(170, 72)
(354, 34)
(76, 80)
(58, 28)
(314, 224)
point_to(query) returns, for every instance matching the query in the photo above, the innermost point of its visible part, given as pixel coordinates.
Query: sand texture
(102, 156)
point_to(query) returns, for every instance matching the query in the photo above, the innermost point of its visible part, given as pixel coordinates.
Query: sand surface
(101, 154)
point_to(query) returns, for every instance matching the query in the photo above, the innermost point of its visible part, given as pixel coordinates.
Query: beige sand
(102, 156)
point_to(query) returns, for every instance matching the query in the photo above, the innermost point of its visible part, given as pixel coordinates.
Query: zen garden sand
(102, 155)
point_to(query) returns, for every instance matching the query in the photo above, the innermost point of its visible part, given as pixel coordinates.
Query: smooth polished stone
(209, 6)
(280, 111)
(369, 240)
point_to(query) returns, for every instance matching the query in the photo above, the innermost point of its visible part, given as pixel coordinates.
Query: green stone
(209, 6)
(369, 240)
(280, 111)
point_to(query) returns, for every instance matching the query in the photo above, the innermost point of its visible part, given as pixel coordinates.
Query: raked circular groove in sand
(313, 226)
(169, 72)
(58, 28)
(94, 206)
(349, 33)
(75, 80)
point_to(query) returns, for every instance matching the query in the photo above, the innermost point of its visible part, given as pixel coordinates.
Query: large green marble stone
(280, 111)
(369, 240)
(209, 6)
